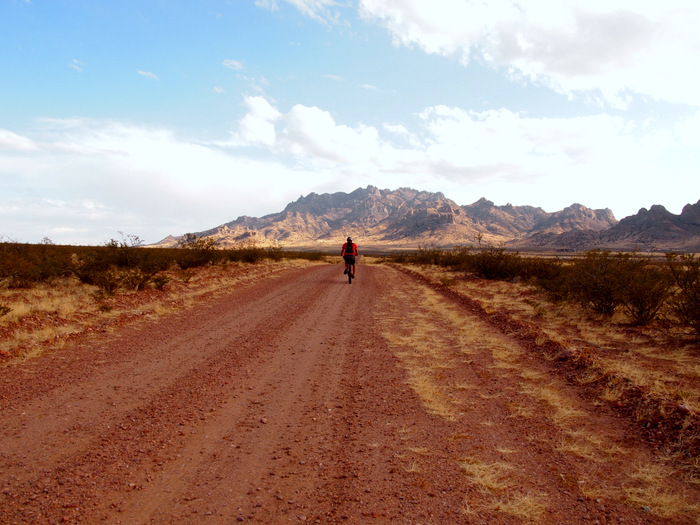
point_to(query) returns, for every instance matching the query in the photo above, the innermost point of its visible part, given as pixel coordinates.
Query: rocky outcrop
(652, 230)
(407, 218)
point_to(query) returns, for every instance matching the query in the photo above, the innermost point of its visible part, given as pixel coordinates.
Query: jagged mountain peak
(407, 218)
(691, 213)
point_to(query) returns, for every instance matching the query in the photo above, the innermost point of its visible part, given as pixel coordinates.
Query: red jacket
(349, 250)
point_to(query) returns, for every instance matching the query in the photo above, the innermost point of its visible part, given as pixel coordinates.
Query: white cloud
(218, 89)
(311, 132)
(14, 142)
(81, 180)
(601, 161)
(319, 10)
(257, 127)
(148, 74)
(335, 78)
(77, 65)
(106, 176)
(236, 65)
(615, 46)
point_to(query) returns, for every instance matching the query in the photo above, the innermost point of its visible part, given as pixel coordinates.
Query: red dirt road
(298, 399)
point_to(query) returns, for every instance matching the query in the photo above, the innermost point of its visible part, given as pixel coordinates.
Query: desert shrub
(134, 279)
(249, 253)
(116, 264)
(492, 262)
(644, 289)
(534, 268)
(107, 280)
(596, 281)
(24, 265)
(274, 253)
(125, 253)
(195, 251)
(428, 255)
(400, 257)
(192, 259)
(309, 256)
(160, 280)
(685, 303)
(601, 281)
(485, 261)
(191, 241)
(90, 265)
(551, 275)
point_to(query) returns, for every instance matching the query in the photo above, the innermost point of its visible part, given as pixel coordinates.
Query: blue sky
(157, 117)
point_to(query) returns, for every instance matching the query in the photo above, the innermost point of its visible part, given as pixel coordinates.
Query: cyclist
(349, 253)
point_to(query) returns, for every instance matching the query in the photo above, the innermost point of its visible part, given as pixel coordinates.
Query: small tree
(597, 281)
(192, 241)
(685, 303)
(196, 251)
(645, 289)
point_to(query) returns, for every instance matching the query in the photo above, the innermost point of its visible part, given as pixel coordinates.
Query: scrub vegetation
(48, 293)
(645, 289)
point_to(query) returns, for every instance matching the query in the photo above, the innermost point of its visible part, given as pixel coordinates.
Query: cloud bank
(114, 175)
(615, 48)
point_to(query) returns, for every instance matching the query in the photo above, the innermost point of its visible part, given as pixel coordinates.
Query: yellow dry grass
(493, 477)
(658, 361)
(526, 506)
(620, 360)
(498, 482)
(420, 342)
(651, 488)
(42, 317)
(562, 408)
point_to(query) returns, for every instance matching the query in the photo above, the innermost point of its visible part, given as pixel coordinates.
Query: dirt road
(301, 398)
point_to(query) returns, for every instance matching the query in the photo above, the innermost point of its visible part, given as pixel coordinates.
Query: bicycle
(349, 253)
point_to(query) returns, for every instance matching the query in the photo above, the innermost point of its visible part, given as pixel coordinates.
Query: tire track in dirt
(260, 406)
(532, 447)
(151, 382)
(301, 398)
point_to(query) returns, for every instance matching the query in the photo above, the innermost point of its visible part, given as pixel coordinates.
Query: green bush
(107, 280)
(196, 251)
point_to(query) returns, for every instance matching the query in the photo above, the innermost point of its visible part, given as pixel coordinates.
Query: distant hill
(655, 229)
(408, 218)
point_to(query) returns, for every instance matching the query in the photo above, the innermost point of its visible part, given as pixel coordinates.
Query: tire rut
(301, 398)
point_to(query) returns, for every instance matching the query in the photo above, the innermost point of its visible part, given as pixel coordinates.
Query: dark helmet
(349, 239)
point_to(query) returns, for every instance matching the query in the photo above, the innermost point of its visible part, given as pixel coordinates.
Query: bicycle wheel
(350, 276)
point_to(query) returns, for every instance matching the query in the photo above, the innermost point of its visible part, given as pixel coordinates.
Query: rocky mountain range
(408, 218)
(655, 229)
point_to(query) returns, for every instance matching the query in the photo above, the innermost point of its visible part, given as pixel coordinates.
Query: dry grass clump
(497, 481)
(652, 489)
(494, 477)
(426, 342)
(562, 409)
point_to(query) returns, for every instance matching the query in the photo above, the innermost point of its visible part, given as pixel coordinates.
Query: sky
(155, 117)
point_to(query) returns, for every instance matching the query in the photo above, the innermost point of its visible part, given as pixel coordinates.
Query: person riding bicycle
(349, 254)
